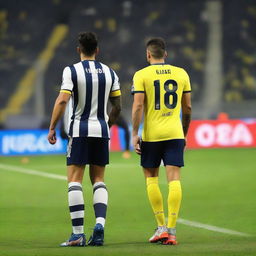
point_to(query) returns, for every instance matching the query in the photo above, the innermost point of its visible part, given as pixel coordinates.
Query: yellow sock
(174, 200)
(156, 200)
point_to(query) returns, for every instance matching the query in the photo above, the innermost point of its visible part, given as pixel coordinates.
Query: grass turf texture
(218, 189)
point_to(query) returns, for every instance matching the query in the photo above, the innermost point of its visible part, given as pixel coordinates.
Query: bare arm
(137, 111)
(115, 111)
(58, 111)
(186, 112)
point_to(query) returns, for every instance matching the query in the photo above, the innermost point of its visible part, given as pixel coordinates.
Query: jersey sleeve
(115, 90)
(138, 84)
(67, 84)
(187, 86)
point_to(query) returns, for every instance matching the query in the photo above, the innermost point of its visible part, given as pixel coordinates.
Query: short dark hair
(157, 47)
(88, 43)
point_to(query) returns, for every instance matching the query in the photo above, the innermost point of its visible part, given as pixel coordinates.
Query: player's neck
(84, 57)
(156, 61)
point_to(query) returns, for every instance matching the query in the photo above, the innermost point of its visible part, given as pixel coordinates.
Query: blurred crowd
(239, 51)
(123, 28)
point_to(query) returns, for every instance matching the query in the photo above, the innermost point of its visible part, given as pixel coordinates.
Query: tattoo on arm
(186, 118)
(115, 111)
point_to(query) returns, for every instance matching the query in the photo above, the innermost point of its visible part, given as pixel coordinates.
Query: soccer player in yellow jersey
(161, 91)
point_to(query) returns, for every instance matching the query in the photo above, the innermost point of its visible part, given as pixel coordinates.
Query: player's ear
(97, 51)
(165, 54)
(78, 50)
(148, 54)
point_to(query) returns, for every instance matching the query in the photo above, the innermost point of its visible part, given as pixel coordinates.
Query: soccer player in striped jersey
(161, 90)
(90, 84)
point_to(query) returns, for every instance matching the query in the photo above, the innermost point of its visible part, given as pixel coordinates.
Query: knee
(173, 173)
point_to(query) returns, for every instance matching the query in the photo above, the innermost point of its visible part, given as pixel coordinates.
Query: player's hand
(52, 137)
(136, 144)
(185, 143)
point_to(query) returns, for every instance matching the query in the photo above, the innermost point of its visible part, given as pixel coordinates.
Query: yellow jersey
(163, 85)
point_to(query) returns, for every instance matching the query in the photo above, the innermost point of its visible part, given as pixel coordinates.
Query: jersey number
(168, 93)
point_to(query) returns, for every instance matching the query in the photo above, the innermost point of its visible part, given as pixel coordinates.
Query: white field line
(211, 228)
(195, 224)
(13, 168)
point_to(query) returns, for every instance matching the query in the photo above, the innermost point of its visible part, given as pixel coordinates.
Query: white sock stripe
(75, 198)
(101, 221)
(99, 185)
(100, 196)
(78, 229)
(70, 184)
(75, 188)
(76, 215)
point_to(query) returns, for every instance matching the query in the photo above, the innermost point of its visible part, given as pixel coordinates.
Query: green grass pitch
(219, 189)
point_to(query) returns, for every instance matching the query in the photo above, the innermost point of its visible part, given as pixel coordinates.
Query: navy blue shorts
(88, 150)
(170, 151)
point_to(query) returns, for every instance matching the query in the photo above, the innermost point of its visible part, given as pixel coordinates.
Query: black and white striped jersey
(91, 83)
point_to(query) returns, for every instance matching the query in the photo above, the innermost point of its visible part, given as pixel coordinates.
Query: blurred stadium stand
(239, 41)
(123, 28)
